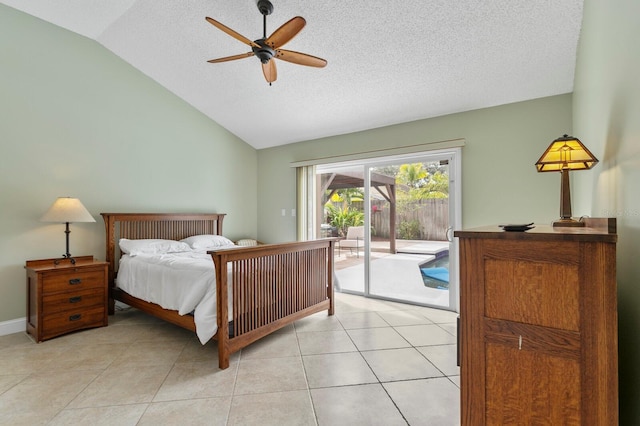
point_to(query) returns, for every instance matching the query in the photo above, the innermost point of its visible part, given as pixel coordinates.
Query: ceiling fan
(267, 48)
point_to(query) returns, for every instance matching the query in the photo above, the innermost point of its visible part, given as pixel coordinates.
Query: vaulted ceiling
(389, 61)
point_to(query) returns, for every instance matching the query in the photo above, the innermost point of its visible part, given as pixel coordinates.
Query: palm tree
(413, 175)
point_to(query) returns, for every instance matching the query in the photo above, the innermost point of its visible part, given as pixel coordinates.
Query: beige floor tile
(272, 409)
(425, 335)
(9, 381)
(273, 346)
(318, 322)
(444, 357)
(354, 303)
(38, 398)
(351, 320)
(197, 380)
(427, 402)
(14, 339)
(342, 307)
(400, 364)
(121, 415)
(87, 357)
(205, 412)
(367, 339)
(31, 358)
(339, 369)
(449, 327)
(366, 405)
(455, 380)
(324, 342)
(270, 375)
(149, 354)
(404, 317)
(164, 332)
(111, 334)
(439, 315)
(141, 369)
(286, 329)
(398, 306)
(195, 351)
(117, 385)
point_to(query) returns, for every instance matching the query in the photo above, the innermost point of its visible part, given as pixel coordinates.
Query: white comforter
(184, 282)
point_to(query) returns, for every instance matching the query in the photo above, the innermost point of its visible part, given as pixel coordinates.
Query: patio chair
(353, 240)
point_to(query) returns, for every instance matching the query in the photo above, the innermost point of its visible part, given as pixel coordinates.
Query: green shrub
(409, 230)
(343, 218)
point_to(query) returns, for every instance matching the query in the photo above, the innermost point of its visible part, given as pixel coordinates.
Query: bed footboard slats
(270, 287)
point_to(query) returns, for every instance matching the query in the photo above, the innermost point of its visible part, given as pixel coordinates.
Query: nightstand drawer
(64, 322)
(70, 280)
(75, 300)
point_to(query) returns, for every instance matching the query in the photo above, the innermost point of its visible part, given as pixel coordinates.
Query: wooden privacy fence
(432, 215)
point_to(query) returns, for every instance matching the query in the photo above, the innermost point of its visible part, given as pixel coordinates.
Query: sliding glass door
(412, 263)
(395, 218)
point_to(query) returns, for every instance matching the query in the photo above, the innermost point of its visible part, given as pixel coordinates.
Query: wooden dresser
(65, 297)
(538, 325)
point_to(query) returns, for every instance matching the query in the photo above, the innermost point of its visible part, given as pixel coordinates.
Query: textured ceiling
(389, 61)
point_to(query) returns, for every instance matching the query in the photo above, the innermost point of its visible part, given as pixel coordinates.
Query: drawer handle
(75, 299)
(75, 281)
(75, 317)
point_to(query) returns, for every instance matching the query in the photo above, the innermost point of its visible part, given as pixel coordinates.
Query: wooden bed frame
(271, 285)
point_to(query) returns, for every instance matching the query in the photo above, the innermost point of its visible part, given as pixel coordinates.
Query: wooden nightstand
(65, 297)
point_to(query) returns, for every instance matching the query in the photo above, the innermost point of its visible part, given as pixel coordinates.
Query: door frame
(454, 155)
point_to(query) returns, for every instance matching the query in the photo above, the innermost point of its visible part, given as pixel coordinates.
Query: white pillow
(152, 246)
(202, 242)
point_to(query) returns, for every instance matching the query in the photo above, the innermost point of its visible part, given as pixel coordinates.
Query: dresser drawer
(76, 300)
(64, 322)
(72, 280)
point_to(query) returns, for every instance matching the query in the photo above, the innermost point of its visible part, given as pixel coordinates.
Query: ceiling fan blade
(231, 32)
(231, 58)
(286, 32)
(300, 58)
(270, 72)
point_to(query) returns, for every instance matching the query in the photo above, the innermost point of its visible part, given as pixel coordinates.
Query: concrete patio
(396, 276)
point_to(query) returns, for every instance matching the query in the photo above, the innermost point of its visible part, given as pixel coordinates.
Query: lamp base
(63, 258)
(568, 223)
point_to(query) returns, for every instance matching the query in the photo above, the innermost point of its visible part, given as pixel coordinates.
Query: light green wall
(499, 180)
(607, 120)
(75, 120)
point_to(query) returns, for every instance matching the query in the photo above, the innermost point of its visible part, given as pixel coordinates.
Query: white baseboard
(13, 326)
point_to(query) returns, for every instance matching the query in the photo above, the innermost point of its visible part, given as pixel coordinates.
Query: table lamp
(66, 210)
(563, 155)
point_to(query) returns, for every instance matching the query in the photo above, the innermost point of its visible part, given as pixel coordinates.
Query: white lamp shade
(67, 209)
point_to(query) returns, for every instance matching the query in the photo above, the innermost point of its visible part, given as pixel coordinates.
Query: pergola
(384, 185)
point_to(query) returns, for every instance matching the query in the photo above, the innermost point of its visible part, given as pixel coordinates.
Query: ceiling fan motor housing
(264, 52)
